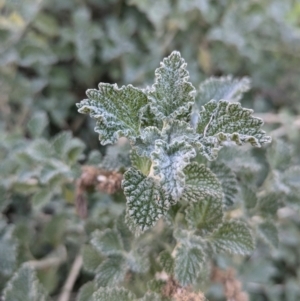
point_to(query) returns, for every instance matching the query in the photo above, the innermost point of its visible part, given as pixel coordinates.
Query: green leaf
(41, 198)
(113, 294)
(86, 292)
(140, 163)
(138, 261)
(91, 258)
(37, 124)
(228, 181)
(218, 88)
(116, 110)
(205, 215)
(188, 264)
(200, 184)
(149, 119)
(172, 94)
(250, 199)
(233, 237)
(169, 162)
(150, 297)
(146, 201)
(107, 242)
(179, 131)
(145, 143)
(111, 271)
(268, 204)
(24, 286)
(8, 255)
(268, 231)
(226, 121)
(167, 262)
(279, 155)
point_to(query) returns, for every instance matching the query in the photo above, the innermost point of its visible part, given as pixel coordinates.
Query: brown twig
(68, 286)
(95, 178)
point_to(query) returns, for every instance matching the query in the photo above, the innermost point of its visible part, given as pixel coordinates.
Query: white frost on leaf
(171, 95)
(116, 110)
(146, 200)
(169, 162)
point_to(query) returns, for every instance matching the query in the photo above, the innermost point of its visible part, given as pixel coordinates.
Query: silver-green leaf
(116, 110)
(172, 94)
(146, 201)
(234, 237)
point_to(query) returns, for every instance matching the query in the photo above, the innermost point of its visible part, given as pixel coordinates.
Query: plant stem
(68, 286)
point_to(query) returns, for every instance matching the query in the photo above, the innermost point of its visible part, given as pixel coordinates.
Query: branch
(68, 286)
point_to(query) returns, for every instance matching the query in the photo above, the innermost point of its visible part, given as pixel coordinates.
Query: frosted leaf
(111, 271)
(188, 264)
(141, 163)
(24, 286)
(8, 250)
(168, 164)
(205, 215)
(200, 184)
(233, 237)
(228, 181)
(146, 201)
(268, 204)
(167, 262)
(178, 131)
(227, 121)
(138, 261)
(150, 297)
(86, 292)
(149, 119)
(268, 231)
(107, 242)
(144, 144)
(91, 258)
(116, 110)
(279, 155)
(172, 94)
(250, 199)
(224, 87)
(113, 294)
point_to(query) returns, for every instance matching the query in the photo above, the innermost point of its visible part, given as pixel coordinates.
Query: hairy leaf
(268, 204)
(167, 262)
(200, 184)
(172, 94)
(226, 121)
(205, 215)
(116, 110)
(91, 258)
(218, 88)
(250, 199)
(233, 237)
(145, 143)
(188, 264)
(111, 271)
(146, 200)
(269, 233)
(150, 297)
(86, 292)
(113, 294)
(138, 261)
(107, 242)
(140, 163)
(228, 181)
(169, 162)
(149, 119)
(24, 286)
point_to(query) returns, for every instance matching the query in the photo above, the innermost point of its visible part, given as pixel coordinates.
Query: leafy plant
(167, 129)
